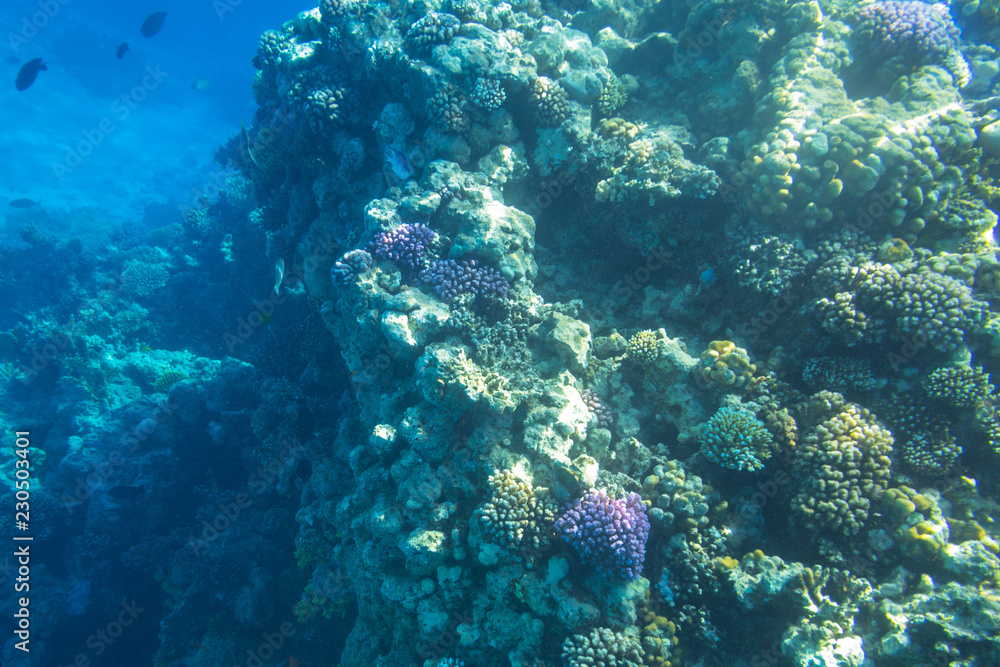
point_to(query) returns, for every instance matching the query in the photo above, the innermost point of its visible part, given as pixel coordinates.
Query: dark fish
(398, 163)
(28, 72)
(122, 48)
(23, 202)
(152, 24)
(127, 492)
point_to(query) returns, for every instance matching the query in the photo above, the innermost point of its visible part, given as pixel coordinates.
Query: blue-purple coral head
(405, 245)
(609, 533)
(450, 278)
(351, 265)
(908, 28)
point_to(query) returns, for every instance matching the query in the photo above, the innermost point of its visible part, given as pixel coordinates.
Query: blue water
(147, 134)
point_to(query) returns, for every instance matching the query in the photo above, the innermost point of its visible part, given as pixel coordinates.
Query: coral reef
(725, 365)
(958, 387)
(718, 281)
(488, 94)
(405, 245)
(919, 32)
(550, 102)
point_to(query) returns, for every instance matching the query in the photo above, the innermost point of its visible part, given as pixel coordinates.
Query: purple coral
(450, 278)
(600, 411)
(352, 264)
(909, 28)
(609, 533)
(405, 245)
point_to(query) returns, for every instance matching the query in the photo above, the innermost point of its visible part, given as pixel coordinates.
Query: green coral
(679, 497)
(643, 348)
(843, 464)
(612, 97)
(958, 386)
(736, 439)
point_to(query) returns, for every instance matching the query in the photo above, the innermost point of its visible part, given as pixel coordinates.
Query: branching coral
(609, 533)
(735, 438)
(517, 514)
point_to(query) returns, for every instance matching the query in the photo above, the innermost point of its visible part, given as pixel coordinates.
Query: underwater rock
(569, 338)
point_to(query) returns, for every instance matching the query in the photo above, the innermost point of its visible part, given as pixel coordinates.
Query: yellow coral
(617, 128)
(724, 364)
(894, 250)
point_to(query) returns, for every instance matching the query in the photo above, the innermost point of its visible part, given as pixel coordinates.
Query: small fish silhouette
(24, 203)
(152, 24)
(122, 48)
(28, 74)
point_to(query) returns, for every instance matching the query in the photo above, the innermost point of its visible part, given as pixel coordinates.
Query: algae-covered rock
(424, 550)
(953, 618)
(570, 339)
(501, 235)
(413, 320)
(552, 431)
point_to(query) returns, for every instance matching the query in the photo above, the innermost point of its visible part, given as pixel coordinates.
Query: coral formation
(144, 278)
(451, 278)
(446, 109)
(613, 96)
(843, 464)
(550, 101)
(735, 438)
(352, 264)
(404, 245)
(920, 32)
(609, 533)
(517, 514)
(725, 365)
(602, 414)
(434, 28)
(958, 386)
(602, 647)
(488, 94)
(643, 347)
(839, 374)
